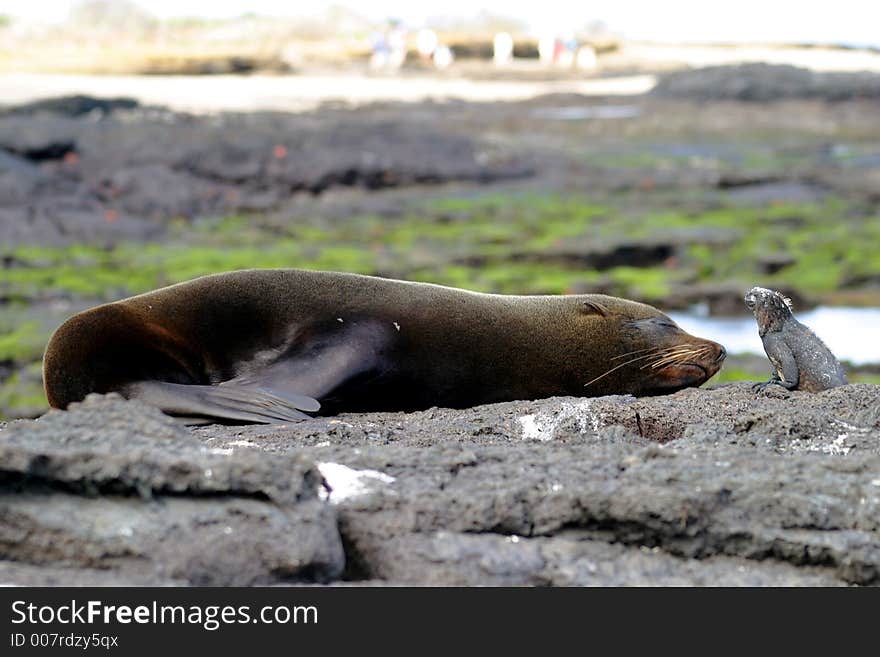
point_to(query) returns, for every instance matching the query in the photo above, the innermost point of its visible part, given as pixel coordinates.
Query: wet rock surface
(717, 486)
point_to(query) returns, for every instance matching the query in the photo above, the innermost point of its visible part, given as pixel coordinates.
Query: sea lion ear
(594, 308)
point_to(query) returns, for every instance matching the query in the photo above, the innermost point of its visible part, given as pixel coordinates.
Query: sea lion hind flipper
(273, 389)
(221, 403)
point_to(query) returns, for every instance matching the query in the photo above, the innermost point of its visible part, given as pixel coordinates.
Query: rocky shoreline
(715, 486)
(719, 180)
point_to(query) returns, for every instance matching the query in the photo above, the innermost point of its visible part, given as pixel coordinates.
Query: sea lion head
(647, 353)
(771, 308)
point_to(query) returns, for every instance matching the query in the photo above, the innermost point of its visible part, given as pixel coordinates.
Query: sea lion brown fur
(266, 345)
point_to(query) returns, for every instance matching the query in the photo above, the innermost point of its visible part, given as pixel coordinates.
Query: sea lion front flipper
(318, 367)
(218, 403)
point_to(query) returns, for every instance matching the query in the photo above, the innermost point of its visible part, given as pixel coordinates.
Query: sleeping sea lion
(266, 346)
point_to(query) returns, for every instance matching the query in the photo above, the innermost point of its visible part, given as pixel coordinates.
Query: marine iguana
(800, 359)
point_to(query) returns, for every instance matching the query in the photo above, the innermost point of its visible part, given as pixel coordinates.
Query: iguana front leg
(786, 372)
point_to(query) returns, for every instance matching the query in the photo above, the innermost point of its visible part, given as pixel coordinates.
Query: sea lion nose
(722, 354)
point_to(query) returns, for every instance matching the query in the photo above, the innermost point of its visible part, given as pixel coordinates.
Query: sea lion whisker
(677, 357)
(666, 351)
(617, 367)
(680, 355)
(671, 361)
(638, 351)
(659, 363)
(675, 353)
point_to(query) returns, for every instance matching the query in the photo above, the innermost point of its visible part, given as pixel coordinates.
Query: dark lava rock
(599, 257)
(372, 155)
(752, 489)
(718, 486)
(40, 138)
(761, 82)
(75, 105)
(690, 502)
(119, 486)
(17, 573)
(156, 191)
(19, 179)
(143, 168)
(763, 192)
(461, 559)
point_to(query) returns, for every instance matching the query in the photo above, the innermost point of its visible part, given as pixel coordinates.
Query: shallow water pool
(853, 334)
